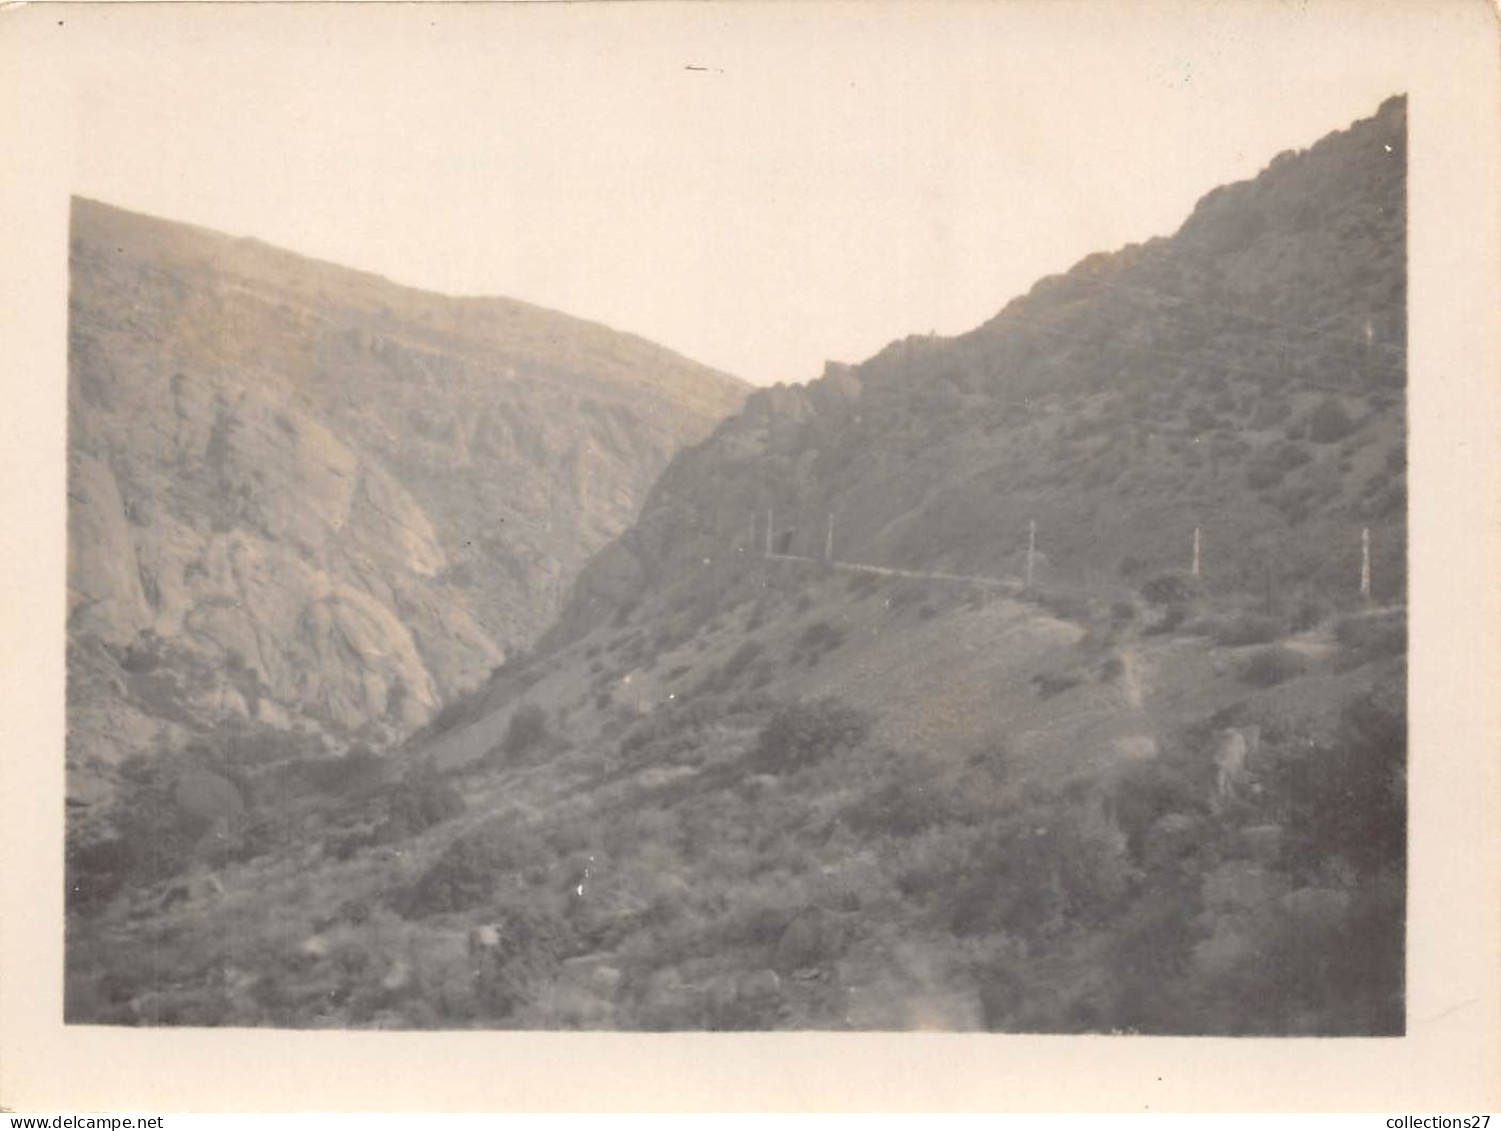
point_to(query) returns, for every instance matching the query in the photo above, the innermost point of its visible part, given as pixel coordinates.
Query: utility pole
(1370, 334)
(1031, 547)
(828, 541)
(1196, 552)
(768, 531)
(1269, 589)
(1365, 562)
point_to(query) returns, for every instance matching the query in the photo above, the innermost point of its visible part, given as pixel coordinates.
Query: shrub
(1309, 615)
(1269, 412)
(1122, 612)
(820, 636)
(1049, 684)
(144, 654)
(1329, 422)
(1169, 589)
(1172, 617)
(528, 947)
(1260, 476)
(739, 661)
(801, 734)
(1144, 793)
(449, 716)
(1348, 800)
(526, 730)
(94, 872)
(469, 871)
(1290, 455)
(417, 803)
(1271, 666)
(1066, 606)
(1248, 628)
(357, 772)
(1366, 638)
(1201, 419)
(915, 796)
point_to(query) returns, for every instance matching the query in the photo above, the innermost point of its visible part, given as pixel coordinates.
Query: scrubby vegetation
(740, 862)
(801, 734)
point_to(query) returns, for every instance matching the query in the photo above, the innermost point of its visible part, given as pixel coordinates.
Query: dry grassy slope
(366, 493)
(1144, 392)
(945, 671)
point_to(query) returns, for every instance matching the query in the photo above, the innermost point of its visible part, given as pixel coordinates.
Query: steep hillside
(746, 783)
(309, 499)
(1220, 378)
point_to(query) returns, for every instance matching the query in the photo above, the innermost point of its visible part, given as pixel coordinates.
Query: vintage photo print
(636, 522)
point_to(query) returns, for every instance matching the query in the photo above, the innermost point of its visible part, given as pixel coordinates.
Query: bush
(1170, 589)
(469, 871)
(1172, 617)
(448, 717)
(1271, 666)
(1248, 628)
(1049, 684)
(527, 729)
(742, 658)
(801, 734)
(1366, 638)
(1329, 422)
(1348, 800)
(527, 952)
(1260, 476)
(357, 772)
(1066, 606)
(1309, 615)
(818, 637)
(1270, 411)
(417, 803)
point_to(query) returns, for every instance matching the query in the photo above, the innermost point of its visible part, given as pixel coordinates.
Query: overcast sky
(760, 187)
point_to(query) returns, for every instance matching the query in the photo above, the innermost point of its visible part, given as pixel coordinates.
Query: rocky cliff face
(305, 497)
(1245, 376)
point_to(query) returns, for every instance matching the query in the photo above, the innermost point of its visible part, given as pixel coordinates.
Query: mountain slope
(1220, 378)
(304, 496)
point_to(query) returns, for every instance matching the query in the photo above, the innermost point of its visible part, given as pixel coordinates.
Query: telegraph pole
(828, 541)
(768, 531)
(1031, 547)
(1365, 562)
(1196, 552)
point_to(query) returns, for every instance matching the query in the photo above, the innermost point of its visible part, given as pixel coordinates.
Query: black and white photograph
(704, 518)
